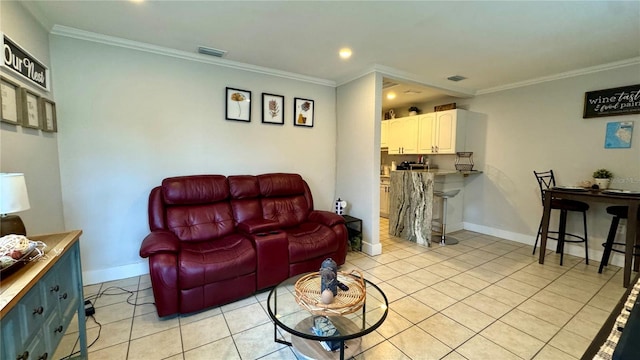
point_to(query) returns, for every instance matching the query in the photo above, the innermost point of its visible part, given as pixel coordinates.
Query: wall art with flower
(303, 112)
(238, 105)
(272, 109)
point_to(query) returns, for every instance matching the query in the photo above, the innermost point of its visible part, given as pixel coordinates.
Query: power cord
(97, 296)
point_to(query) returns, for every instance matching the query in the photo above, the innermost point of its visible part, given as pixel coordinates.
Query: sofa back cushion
(245, 197)
(285, 198)
(197, 207)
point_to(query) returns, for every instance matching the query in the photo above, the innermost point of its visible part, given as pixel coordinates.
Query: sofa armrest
(326, 218)
(257, 226)
(272, 254)
(159, 242)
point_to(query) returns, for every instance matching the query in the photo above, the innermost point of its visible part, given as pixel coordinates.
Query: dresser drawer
(34, 310)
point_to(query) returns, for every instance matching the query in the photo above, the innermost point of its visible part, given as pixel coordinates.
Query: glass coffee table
(296, 320)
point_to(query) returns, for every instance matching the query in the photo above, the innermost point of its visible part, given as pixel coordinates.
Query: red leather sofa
(216, 239)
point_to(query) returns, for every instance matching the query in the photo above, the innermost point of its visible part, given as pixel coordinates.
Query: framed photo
(303, 112)
(238, 105)
(48, 111)
(30, 109)
(272, 109)
(10, 102)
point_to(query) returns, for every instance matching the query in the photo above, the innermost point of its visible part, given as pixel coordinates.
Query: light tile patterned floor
(485, 298)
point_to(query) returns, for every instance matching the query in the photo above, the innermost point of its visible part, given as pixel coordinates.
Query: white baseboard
(371, 249)
(115, 273)
(595, 247)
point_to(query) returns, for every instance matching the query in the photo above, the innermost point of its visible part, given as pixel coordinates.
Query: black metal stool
(618, 212)
(547, 180)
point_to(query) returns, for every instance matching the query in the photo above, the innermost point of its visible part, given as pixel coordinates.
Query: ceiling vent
(456, 78)
(211, 51)
(412, 92)
(386, 84)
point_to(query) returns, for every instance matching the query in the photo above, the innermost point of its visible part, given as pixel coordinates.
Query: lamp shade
(13, 193)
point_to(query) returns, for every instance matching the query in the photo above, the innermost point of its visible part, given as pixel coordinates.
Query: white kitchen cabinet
(426, 133)
(449, 134)
(384, 134)
(403, 135)
(385, 187)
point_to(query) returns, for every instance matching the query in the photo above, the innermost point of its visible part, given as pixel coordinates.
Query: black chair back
(545, 180)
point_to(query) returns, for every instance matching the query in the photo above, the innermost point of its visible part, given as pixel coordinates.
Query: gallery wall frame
(10, 101)
(623, 100)
(49, 117)
(31, 116)
(272, 109)
(303, 112)
(238, 104)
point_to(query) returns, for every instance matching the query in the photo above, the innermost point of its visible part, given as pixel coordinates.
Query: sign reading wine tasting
(20, 61)
(610, 102)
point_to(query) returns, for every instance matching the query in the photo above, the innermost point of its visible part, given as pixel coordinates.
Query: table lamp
(13, 198)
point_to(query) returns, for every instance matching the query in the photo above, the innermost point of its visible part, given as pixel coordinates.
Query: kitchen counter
(410, 205)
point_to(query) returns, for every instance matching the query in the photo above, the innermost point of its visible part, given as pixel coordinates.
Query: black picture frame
(238, 104)
(612, 102)
(272, 109)
(303, 112)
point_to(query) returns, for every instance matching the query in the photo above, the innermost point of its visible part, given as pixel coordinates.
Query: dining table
(631, 199)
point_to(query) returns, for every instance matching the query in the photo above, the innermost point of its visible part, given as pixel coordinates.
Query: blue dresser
(38, 302)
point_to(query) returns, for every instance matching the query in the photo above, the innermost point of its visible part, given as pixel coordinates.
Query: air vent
(211, 51)
(386, 84)
(412, 92)
(456, 78)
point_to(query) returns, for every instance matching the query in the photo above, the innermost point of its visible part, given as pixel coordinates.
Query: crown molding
(184, 55)
(564, 75)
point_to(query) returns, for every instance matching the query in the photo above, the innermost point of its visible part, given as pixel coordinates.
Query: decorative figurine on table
(329, 276)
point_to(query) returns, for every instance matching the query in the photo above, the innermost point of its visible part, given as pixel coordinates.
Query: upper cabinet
(403, 137)
(441, 132)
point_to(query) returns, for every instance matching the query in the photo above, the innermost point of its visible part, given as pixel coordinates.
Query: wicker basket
(346, 302)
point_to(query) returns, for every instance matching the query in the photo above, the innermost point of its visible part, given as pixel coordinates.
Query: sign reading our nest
(610, 102)
(20, 61)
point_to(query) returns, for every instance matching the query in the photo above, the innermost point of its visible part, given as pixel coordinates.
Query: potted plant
(602, 178)
(413, 111)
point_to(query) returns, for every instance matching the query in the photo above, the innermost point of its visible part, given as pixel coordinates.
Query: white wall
(130, 118)
(31, 151)
(358, 161)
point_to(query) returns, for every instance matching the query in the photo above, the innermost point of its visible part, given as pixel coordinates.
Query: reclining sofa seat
(283, 202)
(197, 259)
(215, 239)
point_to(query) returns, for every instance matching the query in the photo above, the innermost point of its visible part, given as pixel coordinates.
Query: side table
(354, 228)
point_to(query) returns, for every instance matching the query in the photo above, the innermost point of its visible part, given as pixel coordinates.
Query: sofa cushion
(200, 222)
(196, 189)
(243, 187)
(275, 185)
(309, 241)
(287, 212)
(207, 262)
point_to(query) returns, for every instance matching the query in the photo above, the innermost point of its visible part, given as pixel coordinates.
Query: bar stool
(446, 195)
(618, 212)
(547, 180)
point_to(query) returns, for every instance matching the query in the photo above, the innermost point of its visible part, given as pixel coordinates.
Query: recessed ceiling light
(391, 95)
(345, 53)
(136, 1)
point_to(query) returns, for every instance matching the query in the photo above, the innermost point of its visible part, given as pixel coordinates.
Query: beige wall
(31, 151)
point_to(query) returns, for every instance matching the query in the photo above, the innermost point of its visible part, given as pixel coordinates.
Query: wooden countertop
(16, 285)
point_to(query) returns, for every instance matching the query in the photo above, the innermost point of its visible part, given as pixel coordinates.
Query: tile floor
(485, 298)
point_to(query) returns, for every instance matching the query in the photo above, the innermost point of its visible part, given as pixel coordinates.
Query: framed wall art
(303, 112)
(48, 111)
(10, 102)
(272, 109)
(30, 109)
(238, 105)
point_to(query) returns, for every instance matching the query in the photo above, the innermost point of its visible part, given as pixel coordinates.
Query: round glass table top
(297, 320)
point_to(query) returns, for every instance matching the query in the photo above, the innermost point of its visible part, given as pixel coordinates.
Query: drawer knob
(24, 356)
(39, 310)
(55, 288)
(43, 356)
(63, 296)
(58, 329)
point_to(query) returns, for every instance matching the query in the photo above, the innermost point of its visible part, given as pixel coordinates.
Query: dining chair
(547, 180)
(618, 212)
